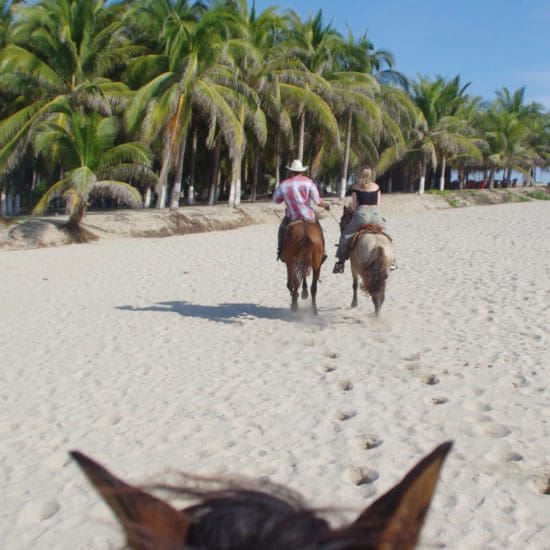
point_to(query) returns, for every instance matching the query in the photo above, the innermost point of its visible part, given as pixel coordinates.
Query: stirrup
(338, 267)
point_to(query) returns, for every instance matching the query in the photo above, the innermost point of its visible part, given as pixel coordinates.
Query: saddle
(367, 228)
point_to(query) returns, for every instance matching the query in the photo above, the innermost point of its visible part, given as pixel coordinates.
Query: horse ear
(396, 518)
(147, 521)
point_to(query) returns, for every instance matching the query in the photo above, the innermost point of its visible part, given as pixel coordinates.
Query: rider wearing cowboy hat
(297, 192)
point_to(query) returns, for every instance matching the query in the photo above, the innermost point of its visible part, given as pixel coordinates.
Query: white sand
(181, 354)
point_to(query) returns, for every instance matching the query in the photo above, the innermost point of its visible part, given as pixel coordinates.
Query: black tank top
(369, 198)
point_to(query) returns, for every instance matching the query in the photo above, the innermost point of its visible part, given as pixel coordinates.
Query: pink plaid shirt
(297, 193)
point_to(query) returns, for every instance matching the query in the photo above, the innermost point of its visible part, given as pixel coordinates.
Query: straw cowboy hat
(297, 166)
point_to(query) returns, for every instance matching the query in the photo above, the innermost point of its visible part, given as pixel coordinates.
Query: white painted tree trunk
(176, 192)
(161, 201)
(390, 185)
(191, 195)
(442, 178)
(17, 205)
(3, 201)
(422, 185)
(235, 188)
(147, 198)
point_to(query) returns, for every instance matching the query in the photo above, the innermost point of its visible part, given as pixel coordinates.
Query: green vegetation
(539, 195)
(115, 99)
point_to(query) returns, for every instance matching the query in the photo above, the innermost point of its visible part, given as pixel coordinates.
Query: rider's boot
(338, 267)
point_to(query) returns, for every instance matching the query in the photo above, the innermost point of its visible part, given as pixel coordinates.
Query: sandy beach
(181, 354)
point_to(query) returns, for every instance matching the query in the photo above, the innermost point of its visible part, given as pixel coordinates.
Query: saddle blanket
(367, 228)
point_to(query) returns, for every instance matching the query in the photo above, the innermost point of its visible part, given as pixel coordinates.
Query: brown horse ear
(147, 521)
(396, 518)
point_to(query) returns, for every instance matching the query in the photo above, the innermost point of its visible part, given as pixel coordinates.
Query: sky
(489, 43)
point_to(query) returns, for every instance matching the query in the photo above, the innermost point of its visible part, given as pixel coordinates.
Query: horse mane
(237, 518)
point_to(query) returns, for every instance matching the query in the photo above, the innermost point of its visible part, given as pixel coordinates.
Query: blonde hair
(367, 177)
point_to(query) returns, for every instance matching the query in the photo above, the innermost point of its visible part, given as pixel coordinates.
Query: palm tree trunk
(161, 199)
(508, 176)
(492, 178)
(147, 199)
(461, 176)
(422, 183)
(442, 178)
(215, 173)
(235, 188)
(256, 174)
(191, 190)
(301, 137)
(176, 191)
(344, 179)
(76, 215)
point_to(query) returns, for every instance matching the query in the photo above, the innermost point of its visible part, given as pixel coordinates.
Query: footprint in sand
(430, 379)
(344, 385)
(35, 511)
(494, 430)
(541, 479)
(439, 400)
(519, 381)
(359, 475)
(332, 354)
(505, 455)
(344, 415)
(365, 441)
(328, 368)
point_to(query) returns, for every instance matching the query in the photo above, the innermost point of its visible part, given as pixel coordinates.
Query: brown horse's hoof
(354, 303)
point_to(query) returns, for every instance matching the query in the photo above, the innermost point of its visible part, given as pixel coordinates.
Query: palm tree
(191, 75)
(379, 103)
(509, 143)
(316, 45)
(443, 133)
(59, 50)
(93, 163)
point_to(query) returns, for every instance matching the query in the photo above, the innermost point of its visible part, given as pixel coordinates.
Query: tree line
(135, 99)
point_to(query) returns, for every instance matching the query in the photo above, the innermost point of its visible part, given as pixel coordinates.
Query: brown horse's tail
(374, 271)
(304, 260)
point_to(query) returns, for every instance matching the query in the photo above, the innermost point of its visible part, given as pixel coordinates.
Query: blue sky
(490, 43)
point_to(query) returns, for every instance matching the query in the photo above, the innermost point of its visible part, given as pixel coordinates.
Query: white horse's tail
(374, 271)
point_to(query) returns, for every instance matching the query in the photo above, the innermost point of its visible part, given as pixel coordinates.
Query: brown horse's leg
(305, 294)
(355, 285)
(316, 273)
(293, 286)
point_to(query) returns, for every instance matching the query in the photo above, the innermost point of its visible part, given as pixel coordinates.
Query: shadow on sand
(222, 313)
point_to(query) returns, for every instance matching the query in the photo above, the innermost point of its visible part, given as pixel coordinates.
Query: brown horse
(236, 518)
(303, 248)
(371, 257)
